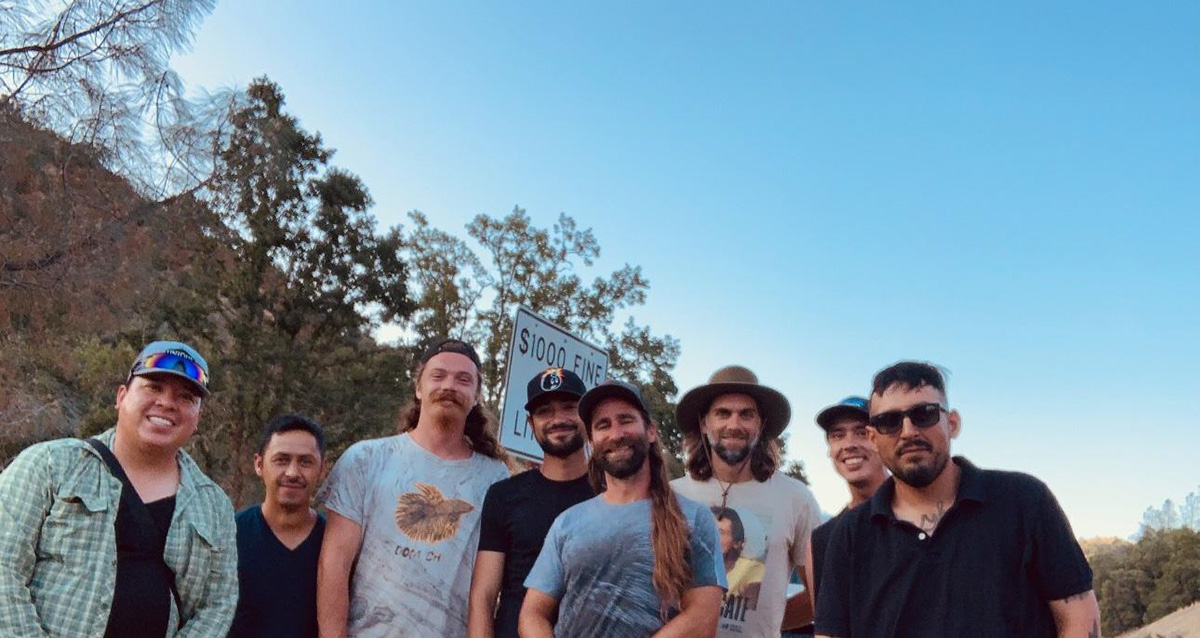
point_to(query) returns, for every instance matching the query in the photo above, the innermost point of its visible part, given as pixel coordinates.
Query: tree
(1139, 583)
(474, 295)
(98, 73)
(795, 469)
(295, 279)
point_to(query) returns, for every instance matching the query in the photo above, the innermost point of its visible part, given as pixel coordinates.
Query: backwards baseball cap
(553, 381)
(172, 357)
(456, 346)
(610, 389)
(848, 407)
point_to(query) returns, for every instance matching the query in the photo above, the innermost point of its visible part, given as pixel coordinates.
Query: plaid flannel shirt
(58, 556)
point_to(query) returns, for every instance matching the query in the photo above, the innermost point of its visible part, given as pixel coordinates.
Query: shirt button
(922, 536)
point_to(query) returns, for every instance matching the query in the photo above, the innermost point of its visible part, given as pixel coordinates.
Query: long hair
(669, 532)
(764, 458)
(480, 429)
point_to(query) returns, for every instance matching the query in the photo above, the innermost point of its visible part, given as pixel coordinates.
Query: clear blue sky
(816, 190)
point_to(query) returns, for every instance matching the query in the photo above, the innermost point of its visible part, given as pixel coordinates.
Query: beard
(921, 474)
(639, 448)
(732, 457)
(562, 450)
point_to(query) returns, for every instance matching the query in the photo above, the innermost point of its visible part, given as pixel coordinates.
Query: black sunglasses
(922, 415)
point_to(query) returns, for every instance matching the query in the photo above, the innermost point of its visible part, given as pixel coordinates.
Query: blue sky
(816, 190)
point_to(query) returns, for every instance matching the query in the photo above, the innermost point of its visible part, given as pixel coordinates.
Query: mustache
(914, 445)
(626, 441)
(734, 434)
(448, 395)
(562, 425)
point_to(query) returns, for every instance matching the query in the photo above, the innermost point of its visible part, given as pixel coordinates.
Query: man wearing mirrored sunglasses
(944, 548)
(122, 534)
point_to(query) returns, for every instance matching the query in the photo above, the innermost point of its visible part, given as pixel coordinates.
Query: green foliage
(795, 469)
(474, 295)
(1142, 582)
(295, 280)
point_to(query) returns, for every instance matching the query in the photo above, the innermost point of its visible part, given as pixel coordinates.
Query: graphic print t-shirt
(420, 520)
(598, 563)
(764, 531)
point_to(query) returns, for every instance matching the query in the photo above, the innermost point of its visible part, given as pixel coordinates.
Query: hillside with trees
(130, 213)
(1143, 581)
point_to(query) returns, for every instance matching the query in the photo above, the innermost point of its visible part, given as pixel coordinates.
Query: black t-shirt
(142, 594)
(517, 514)
(1001, 552)
(820, 540)
(277, 586)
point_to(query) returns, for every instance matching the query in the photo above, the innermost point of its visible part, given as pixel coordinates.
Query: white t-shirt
(770, 528)
(420, 519)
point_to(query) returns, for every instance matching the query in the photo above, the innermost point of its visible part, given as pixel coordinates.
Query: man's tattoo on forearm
(929, 522)
(1095, 632)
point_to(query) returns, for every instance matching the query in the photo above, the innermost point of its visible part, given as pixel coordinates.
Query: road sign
(538, 344)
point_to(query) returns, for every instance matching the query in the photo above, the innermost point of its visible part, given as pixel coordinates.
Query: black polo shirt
(999, 555)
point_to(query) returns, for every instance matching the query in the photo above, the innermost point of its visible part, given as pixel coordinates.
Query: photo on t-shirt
(744, 547)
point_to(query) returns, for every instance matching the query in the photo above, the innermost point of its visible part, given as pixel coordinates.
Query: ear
(652, 432)
(955, 422)
(871, 434)
(258, 465)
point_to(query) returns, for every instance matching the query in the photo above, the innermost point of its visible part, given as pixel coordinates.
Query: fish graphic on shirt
(428, 516)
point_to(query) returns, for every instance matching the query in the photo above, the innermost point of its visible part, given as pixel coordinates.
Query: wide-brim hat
(773, 407)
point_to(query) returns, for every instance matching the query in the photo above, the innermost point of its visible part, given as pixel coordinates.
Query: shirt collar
(972, 486)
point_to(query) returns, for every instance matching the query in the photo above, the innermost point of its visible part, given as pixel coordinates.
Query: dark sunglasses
(922, 415)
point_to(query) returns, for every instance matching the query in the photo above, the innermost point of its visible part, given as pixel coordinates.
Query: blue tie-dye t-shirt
(597, 562)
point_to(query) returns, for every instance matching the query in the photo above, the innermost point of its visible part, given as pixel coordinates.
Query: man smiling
(731, 428)
(518, 512)
(636, 560)
(121, 535)
(279, 541)
(855, 460)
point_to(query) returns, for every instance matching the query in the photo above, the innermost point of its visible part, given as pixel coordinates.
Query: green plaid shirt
(58, 551)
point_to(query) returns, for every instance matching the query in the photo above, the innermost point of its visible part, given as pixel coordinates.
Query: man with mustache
(279, 541)
(731, 428)
(637, 560)
(403, 510)
(944, 548)
(121, 535)
(518, 512)
(855, 459)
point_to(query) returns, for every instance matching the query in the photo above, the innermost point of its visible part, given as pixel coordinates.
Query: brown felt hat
(772, 405)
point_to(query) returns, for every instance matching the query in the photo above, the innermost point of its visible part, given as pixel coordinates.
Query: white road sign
(538, 344)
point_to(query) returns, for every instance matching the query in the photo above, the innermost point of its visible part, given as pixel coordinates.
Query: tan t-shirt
(769, 523)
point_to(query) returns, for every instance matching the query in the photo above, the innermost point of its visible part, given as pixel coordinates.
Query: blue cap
(848, 407)
(172, 357)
